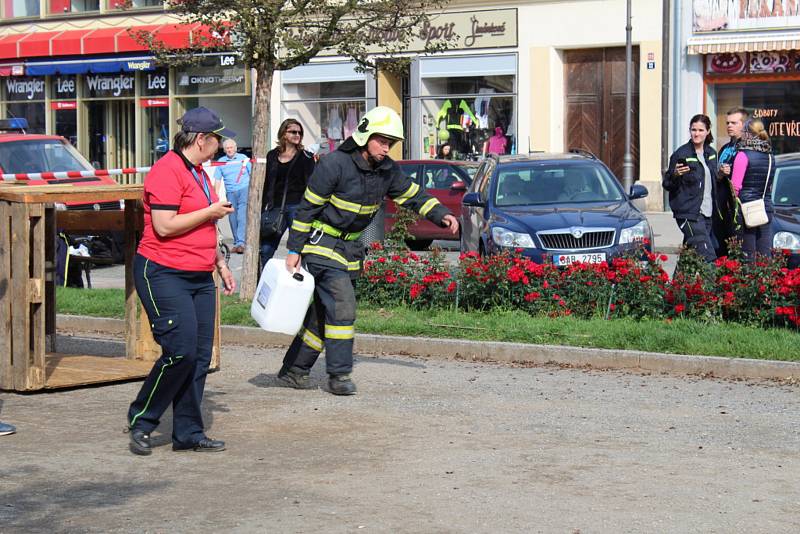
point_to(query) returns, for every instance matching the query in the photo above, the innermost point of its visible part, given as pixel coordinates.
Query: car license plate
(589, 257)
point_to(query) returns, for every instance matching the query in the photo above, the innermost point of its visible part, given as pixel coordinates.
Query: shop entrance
(112, 135)
(595, 105)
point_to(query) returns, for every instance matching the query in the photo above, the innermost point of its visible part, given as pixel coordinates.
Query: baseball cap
(204, 120)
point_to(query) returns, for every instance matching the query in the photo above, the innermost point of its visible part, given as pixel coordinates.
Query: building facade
(738, 54)
(548, 76)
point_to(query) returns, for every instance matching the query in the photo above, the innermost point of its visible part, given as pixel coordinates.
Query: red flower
(416, 290)
(530, 297)
(451, 287)
(680, 308)
(375, 246)
(381, 260)
(663, 257)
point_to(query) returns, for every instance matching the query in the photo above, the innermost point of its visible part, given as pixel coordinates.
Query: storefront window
(66, 124)
(469, 118)
(20, 8)
(328, 110)
(73, 6)
(466, 102)
(777, 104)
(33, 111)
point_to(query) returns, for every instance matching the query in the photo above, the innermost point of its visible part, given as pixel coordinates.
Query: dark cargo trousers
(180, 306)
(328, 324)
(697, 235)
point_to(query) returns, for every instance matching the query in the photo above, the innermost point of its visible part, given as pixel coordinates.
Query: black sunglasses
(294, 132)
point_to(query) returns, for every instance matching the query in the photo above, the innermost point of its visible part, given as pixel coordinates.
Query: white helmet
(381, 120)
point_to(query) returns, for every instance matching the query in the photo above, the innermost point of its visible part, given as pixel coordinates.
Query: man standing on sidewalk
(237, 182)
(724, 224)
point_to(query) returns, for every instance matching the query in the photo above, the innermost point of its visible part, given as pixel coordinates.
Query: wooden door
(595, 105)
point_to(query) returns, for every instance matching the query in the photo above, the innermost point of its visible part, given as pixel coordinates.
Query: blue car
(786, 198)
(562, 208)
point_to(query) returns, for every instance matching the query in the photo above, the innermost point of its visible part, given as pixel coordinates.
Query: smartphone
(228, 205)
(681, 161)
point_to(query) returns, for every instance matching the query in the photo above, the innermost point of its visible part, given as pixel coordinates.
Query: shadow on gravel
(391, 361)
(48, 506)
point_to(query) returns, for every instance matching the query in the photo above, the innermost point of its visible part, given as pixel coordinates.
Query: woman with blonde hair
(288, 169)
(752, 176)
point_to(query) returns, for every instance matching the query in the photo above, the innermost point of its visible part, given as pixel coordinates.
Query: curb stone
(437, 348)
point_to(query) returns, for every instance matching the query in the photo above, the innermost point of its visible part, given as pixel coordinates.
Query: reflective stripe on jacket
(344, 193)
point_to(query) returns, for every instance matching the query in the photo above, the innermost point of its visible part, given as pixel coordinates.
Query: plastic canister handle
(298, 277)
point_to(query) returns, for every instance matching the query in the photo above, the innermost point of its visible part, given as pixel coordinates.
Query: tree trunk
(261, 134)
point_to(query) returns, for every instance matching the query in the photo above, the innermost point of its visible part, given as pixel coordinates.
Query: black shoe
(341, 385)
(204, 445)
(140, 443)
(294, 378)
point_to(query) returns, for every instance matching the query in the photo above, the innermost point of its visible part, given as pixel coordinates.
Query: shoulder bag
(755, 212)
(273, 217)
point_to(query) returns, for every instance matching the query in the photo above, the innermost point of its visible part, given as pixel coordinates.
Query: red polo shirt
(170, 185)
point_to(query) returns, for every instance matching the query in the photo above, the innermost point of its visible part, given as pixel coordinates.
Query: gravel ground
(426, 446)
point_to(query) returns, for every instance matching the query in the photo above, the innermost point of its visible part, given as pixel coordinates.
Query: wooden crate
(28, 222)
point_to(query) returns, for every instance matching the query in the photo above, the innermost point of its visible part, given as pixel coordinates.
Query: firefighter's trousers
(328, 324)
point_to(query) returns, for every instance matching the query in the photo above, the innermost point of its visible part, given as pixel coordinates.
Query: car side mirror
(473, 199)
(638, 191)
(458, 185)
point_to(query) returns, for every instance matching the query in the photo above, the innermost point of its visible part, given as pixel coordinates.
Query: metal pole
(627, 162)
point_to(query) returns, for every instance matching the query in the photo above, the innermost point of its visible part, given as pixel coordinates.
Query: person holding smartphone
(691, 179)
(172, 271)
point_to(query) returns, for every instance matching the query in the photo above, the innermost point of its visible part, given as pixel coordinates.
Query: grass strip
(676, 336)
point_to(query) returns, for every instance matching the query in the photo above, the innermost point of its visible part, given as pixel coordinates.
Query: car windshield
(556, 183)
(40, 155)
(786, 188)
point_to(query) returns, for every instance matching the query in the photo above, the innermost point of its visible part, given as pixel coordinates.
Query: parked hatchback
(562, 208)
(447, 180)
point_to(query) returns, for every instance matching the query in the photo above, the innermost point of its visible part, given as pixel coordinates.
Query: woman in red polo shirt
(173, 274)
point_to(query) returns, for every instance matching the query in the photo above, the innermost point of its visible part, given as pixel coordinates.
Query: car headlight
(506, 238)
(786, 240)
(635, 233)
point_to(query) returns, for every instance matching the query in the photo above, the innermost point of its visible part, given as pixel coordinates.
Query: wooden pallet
(28, 222)
(68, 370)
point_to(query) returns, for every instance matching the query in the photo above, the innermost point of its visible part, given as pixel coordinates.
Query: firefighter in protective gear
(344, 192)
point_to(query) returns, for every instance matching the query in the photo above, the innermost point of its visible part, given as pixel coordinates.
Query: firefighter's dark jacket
(686, 192)
(343, 195)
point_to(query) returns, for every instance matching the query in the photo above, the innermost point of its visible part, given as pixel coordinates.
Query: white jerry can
(282, 298)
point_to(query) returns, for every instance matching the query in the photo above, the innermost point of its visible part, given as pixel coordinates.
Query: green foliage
(397, 237)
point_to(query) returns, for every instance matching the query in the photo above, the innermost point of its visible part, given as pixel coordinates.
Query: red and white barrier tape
(102, 172)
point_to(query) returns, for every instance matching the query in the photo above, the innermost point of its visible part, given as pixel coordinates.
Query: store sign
(777, 123)
(221, 74)
(64, 87)
(753, 62)
(154, 102)
(140, 64)
(461, 30)
(24, 88)
(104, 85)
(58, 106)
(156, 83)
(736, 15)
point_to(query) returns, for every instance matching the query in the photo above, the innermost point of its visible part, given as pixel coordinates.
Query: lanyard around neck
(203, 185)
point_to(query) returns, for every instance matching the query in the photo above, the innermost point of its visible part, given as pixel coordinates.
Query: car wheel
(419, 244)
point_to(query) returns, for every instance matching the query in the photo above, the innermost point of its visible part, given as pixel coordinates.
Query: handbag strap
(766, 182)
(288, 175)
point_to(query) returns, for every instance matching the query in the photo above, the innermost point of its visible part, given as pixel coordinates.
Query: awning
(759, 42)
(84, 65)
(96, 41)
